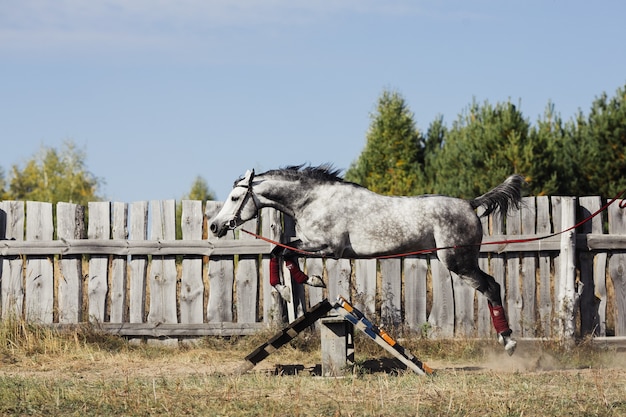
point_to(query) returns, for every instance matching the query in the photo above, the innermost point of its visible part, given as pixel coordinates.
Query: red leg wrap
(274, 272)
(296, 274)
(498, 318)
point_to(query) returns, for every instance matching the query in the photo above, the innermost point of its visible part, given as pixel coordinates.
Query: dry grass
(84, 372)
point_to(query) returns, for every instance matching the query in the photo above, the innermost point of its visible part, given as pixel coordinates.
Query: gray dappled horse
(339, 219)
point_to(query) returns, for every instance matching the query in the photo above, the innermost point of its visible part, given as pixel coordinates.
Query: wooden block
(337, 337)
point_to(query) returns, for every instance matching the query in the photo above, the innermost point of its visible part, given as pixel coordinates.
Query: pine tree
(484, 145)
(435, 139)
(549, 149)
(3, 191)
(200, 190)
(392, 160)
(600, 147)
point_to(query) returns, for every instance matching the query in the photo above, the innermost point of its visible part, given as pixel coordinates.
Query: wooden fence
(122, 268)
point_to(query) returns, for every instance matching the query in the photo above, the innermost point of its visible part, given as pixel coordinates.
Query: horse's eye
(234, 198)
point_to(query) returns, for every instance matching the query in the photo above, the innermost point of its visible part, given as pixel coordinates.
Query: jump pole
(381, 337)
(287, 334)
(336, 338)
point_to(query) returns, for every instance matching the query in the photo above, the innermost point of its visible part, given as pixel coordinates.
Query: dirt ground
(102, 364)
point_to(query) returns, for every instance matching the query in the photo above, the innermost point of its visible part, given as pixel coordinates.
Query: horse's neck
(285, 196)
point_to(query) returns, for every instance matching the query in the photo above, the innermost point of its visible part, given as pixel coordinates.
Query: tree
(435, 138)
(487, 143)
(599, 147)
(392, 160)
(55, 175)
(550, 171)
(3, 191)
(200, 190)
(484, 145)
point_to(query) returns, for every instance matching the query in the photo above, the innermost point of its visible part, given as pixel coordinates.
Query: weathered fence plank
(183, 330)
(339, 272)
(162, 275)
(12, 282)
(271, 227)
(391, 281)
(617, 267)
(99, 227)
(393, 291)
(191, 283)
(556, 213)
(528, 271)
(567, 271)
(165, 247)
(544, 293)
(70, 225)
(497, 263)
(593, 297)
(483, 319)
(514, 302)
(138, 263)
(441, 318)
(118, 265)
(463, 312)
(315, 266)
(247, 281)
(40, 269)
(221, 279)
(365, 285)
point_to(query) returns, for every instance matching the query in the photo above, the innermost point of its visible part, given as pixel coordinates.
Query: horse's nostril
(213, 227)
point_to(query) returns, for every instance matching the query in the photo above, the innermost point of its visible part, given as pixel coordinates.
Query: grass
(83, 372)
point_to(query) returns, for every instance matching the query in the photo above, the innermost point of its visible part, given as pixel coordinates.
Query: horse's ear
(247, 179)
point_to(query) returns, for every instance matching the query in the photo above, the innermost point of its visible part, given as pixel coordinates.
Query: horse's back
(375, 225)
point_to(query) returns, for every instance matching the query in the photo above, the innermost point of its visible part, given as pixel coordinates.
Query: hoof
(284, 292)
(315, 281)
(508, 343)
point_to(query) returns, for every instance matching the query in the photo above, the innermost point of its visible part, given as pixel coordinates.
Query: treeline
(486, 143)
(53, 175)
(582, 156)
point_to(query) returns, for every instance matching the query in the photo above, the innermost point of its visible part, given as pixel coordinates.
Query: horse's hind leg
(487, 285)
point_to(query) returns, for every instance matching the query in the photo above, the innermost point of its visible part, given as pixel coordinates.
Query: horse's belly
(390, 245)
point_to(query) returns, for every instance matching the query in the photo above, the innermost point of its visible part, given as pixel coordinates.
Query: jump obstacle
(336, 338)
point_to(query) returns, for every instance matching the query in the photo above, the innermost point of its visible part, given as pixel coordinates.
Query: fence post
(617, 267)
(566, 295)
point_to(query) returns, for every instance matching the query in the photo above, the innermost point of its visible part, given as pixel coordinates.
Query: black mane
(321, 173)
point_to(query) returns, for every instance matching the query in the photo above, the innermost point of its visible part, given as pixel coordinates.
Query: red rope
(282, 245)
(622, 205)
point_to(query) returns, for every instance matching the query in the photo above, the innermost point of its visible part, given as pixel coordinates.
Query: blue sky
(159, 92)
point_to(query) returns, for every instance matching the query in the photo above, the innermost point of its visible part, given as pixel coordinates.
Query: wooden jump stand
(337, 338)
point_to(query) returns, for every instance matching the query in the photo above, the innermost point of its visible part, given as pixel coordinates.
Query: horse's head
(240, 206)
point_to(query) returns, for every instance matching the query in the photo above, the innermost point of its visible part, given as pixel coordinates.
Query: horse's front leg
(290, 256)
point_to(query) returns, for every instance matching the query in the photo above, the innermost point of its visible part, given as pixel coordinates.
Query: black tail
(499, 199)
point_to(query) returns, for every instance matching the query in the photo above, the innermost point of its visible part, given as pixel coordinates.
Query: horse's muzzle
(218, 231)
(221, 231)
